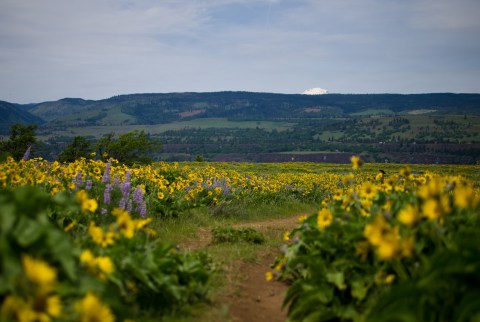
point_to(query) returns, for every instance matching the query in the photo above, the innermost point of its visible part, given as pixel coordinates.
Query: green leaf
(27, 231)
(7, 217)
(359, 289)
(337, 278)
(63, 250)
(10, 267)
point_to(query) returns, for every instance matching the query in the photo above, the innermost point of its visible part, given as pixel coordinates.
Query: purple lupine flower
(78, 180)
(122, 203)
(129, 206)
(138, 195)
(143, 209)
(106, 194)
(125, 189)
(127, 176)
(26, 156)
(106, 175)
(88, 184)
(116, 181)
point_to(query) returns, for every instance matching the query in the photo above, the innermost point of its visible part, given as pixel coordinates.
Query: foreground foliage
(403, 247)
(78, 240)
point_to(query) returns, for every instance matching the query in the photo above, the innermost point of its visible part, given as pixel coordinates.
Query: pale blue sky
(93, 49)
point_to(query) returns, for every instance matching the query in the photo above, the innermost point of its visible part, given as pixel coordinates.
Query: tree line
(132, 147)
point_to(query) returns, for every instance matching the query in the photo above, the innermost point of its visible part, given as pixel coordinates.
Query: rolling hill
(442, 128)
(170, 107)
(11, 114)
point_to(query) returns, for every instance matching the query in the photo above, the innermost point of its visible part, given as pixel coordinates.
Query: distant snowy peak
(315, 91)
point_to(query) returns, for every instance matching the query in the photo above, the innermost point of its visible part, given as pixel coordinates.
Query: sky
(95, 49)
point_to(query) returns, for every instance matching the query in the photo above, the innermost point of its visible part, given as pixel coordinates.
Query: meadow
(97, 240)
(98, 131)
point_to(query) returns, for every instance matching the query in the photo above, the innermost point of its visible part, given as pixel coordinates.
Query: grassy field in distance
(203, 123)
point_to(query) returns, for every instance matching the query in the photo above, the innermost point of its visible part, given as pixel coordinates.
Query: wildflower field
(79, 241)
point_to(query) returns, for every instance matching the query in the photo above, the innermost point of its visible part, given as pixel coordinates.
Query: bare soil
(249, 297)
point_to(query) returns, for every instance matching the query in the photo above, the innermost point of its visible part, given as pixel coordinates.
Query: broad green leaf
(336, 278)
(359, 289)
(7, 218)
(27, 231)
(63, 250)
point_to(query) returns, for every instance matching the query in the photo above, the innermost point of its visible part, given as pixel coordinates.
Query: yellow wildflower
(348, 178)
(11, 307)
(92, 310)
(141, 223)
(324, 218)
(375, 231)
(356, 162)
(39, 272)
(87, 205)
(380, 175)
(269, 276)
(40, 308)
(432, 189)
(160, 195)
(47, 306)
(150, 231)
(69, 226)
(338, 194)
(435, 208)
(389, 279)
(100, 237)
(126, 224)
(464, 197)
(286, 236)
(389, 245)
(105, 266)
(406, 172)
(101, 266)
(368, 190)
(408, 215)
(87, 258)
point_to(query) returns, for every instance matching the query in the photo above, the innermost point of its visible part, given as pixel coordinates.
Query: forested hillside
(418, 128)
(166, 108)
(11, 114)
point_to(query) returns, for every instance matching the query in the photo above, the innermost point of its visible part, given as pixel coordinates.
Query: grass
(203, 123)
(372, 111)
(227, 257)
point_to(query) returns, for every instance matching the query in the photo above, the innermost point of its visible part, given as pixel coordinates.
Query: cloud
(95, 49)
(446, 15)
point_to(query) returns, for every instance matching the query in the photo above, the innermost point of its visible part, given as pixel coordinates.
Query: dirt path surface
(249, 296)
(255, 299)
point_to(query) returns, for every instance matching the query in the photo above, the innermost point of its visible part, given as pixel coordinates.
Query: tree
(80, 147)
(128, 148)
(22, 139)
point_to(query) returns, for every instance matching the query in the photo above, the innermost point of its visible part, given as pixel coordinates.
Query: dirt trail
(250, 297)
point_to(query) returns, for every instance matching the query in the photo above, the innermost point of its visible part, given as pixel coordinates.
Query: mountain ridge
(11, 113)
(162, 108)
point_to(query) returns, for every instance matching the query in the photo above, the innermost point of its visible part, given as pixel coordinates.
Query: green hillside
(167, 108)
(11, 114)
(239, 126)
